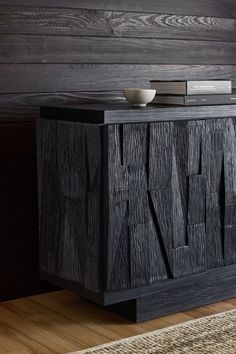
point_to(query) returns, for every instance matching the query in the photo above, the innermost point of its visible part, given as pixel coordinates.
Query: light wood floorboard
(60, 322)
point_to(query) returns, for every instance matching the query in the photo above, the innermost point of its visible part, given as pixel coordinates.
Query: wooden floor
(60, 322)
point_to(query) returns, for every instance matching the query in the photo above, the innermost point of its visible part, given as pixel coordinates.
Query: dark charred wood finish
(69, 165)
(171, 297)
(134, 207)
(59, 52)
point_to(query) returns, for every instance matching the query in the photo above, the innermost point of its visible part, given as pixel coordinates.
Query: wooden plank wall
(58, 51)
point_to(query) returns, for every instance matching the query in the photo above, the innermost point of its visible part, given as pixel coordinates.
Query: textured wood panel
(164, 224)
(196, 200)
(222, 8)
(139, 255)
(180, 295)
(93, 276)
(69, 163)
(129, 214)
(160, 161)
(230, 193)
(117, 276)
(85, 22)
(180, 197)
(59, 78)
(75, 49)
(154, 229)
(179, 183)
(134, 144)
(213, 169)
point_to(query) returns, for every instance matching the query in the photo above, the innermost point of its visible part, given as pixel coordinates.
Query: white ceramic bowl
(139, 97)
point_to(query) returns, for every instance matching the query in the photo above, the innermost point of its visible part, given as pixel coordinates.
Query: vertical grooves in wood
(222, 209)
(159, 235)
(121, 143)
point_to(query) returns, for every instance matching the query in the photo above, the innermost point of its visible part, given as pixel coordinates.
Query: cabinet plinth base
(164, 298)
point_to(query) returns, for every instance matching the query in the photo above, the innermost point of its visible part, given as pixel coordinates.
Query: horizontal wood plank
(73, 78)
(75, 49)
(83, 22)
(219, 8)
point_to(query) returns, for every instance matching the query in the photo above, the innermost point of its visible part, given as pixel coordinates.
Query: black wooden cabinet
(138, 206)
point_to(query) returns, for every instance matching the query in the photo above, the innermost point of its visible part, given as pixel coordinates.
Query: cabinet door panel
(174, 184)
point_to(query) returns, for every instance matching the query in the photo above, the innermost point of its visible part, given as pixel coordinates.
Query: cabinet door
(171, 210)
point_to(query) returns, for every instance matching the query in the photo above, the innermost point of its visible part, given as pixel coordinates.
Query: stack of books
(193, 93)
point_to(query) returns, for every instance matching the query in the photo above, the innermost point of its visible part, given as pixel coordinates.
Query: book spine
(209, 88)
(193, 101)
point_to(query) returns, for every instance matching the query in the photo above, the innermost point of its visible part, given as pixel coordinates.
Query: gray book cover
(192, 87)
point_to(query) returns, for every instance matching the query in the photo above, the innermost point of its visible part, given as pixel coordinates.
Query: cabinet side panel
(69, 168)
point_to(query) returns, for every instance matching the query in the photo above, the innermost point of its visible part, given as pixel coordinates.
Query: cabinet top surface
(125, 113)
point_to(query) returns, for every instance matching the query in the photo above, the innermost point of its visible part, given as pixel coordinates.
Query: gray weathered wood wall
(58, 51)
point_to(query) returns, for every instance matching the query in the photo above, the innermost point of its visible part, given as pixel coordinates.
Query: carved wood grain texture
(172, 187)
(69, 167)
(222, 8)
(87, 22)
